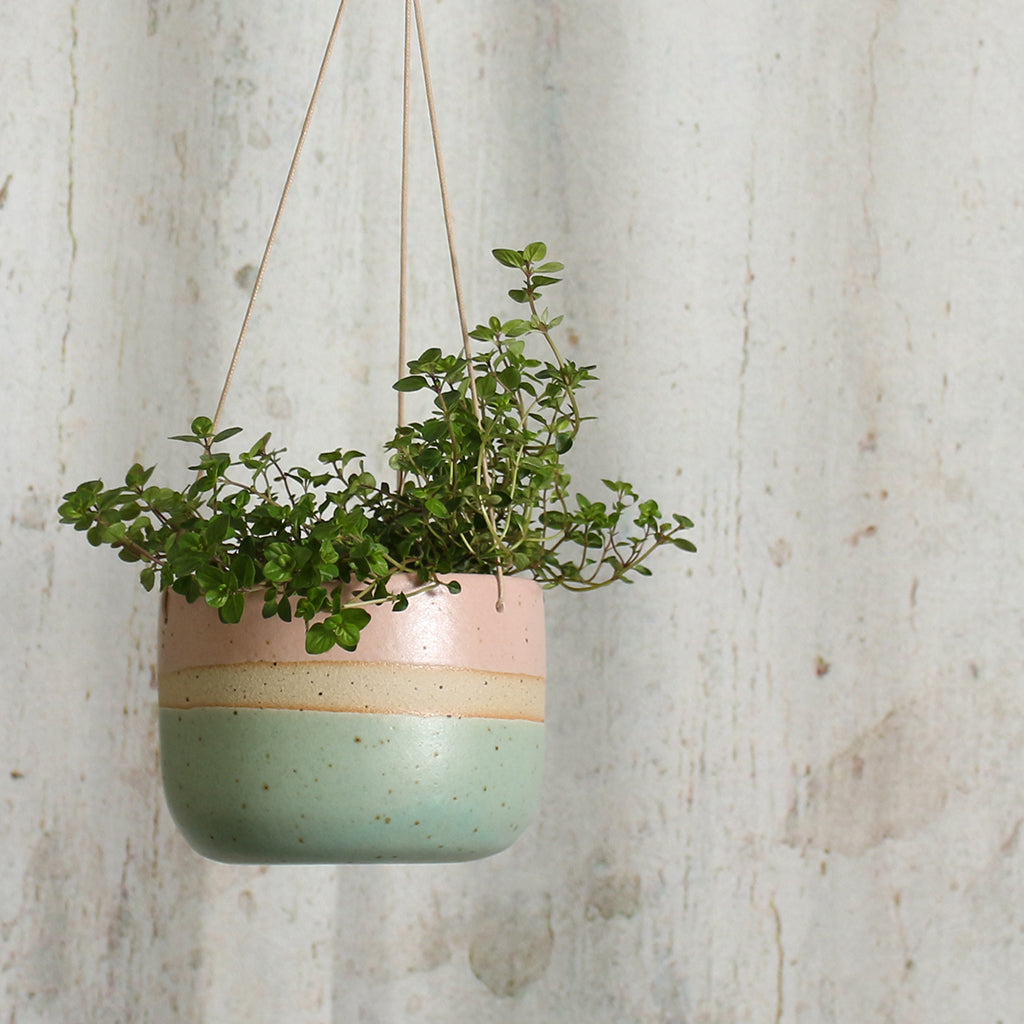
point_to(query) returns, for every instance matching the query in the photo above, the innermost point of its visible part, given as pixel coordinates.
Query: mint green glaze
(254, 785)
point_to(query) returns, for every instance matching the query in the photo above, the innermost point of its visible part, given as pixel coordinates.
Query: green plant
(482, 488)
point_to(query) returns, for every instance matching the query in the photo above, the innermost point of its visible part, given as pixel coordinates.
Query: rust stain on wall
(855, 538)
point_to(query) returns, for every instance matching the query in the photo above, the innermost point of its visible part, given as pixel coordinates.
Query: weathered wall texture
(784, 779)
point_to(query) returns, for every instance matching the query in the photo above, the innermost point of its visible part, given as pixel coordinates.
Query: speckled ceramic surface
(426, 744)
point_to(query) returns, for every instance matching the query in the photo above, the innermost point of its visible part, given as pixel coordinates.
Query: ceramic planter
(425, 744)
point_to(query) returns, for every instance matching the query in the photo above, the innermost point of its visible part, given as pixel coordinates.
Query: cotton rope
(411, 7)
(280, 208)
(404, 244)
(485, 468)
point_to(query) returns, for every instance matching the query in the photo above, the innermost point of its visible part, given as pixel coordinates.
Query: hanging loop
(413, 13)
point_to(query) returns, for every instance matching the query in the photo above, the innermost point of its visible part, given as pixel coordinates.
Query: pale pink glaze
(438, 628)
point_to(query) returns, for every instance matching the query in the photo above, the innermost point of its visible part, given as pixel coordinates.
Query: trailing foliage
(470, 498)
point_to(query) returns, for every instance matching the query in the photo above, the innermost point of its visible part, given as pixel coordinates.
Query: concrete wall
(784, 775)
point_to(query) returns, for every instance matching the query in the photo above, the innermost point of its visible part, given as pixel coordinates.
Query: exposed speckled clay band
(357, 686)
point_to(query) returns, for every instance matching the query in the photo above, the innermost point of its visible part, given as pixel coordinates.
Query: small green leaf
(137, 476)
(535, 251)
(225, 434)
(277, 573)
(232, 610)
(517, 328)
(307, 607)
(260, 447)
(410, 384)
(357, 617)
(319, 639)
(349, 625)
(427, 361)
(245, 571)
(509, 258)
(218, 529)
(210, 577)
(649, 513)
(115, 532)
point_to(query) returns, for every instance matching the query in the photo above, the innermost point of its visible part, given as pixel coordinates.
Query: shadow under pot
(425, 744)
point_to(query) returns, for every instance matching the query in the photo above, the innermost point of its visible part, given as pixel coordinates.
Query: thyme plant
(482, 486)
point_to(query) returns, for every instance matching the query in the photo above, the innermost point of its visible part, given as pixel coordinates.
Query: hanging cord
(277, 216)
(456, 278)
(411, 5)
(404, 243)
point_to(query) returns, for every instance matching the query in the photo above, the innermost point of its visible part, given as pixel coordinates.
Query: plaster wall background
(784, 775)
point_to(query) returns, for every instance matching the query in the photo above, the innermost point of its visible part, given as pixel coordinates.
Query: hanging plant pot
(426, 744)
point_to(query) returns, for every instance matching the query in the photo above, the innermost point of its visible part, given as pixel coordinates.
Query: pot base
(281, 786)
